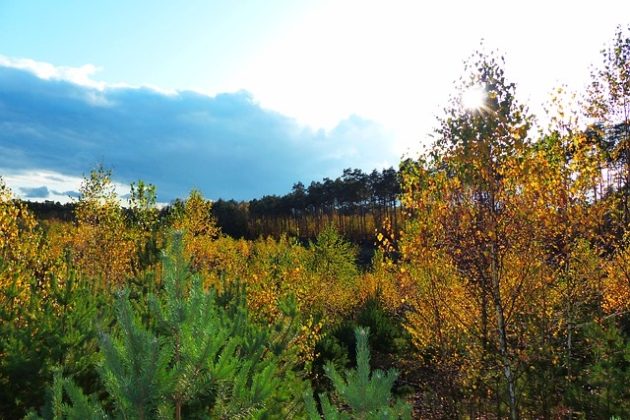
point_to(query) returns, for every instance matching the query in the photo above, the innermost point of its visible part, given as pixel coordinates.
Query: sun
(474, 98)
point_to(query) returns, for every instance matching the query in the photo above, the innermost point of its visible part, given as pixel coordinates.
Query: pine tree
(198, 355)
(333, 257)
(77, 406)
(367, 395)
(55, 327)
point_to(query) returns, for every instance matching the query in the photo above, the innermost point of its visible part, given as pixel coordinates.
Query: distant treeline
(356, 203)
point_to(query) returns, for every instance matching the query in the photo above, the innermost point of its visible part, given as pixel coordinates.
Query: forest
(356, 203)
(499, 286)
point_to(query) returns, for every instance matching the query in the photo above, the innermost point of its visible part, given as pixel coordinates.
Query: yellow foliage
(101, 246)
(26, 258)
(617, 280)
(200, 230)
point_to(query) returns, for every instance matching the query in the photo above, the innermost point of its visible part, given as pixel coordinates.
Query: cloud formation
(69, 194)
(35, 192)
(227, 145)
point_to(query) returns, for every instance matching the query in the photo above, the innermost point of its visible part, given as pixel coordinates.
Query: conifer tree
(77, 406)
(48, 330)
(198, 355)
(333, 257)
(142, 217)
(368, 395)
(608, 104)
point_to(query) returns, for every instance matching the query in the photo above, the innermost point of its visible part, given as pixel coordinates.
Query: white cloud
(60, 186)
(78, 75)
(226, 145)
(81, 76)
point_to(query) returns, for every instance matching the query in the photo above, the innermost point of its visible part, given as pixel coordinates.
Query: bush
(361, 394)
(200, 355)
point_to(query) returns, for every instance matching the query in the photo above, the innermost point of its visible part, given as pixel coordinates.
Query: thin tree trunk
(502, 331)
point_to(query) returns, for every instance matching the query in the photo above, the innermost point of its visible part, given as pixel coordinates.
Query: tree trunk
(502, 332)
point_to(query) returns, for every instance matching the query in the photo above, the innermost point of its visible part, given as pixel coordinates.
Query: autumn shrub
(617, 278)
(100, 245)
(200, 354)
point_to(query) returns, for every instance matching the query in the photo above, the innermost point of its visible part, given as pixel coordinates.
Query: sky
(242, 99)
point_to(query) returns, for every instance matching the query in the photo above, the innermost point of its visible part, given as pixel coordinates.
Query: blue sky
(242, 99)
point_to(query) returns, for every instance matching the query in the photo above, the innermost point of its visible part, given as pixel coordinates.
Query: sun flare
(474, 98)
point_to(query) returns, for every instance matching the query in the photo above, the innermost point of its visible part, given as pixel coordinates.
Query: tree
(333, 257)
(462, 200)
(20, 243)
(142, 206)
(101, 245)
(199, 354)
(368, 395)
(46, 314)
(560, 190)
(194, 218)
(142, 218)
(608, 104)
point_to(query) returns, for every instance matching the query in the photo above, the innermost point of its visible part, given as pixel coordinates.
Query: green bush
(199, 356)
(52, 328)
(361, 394)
